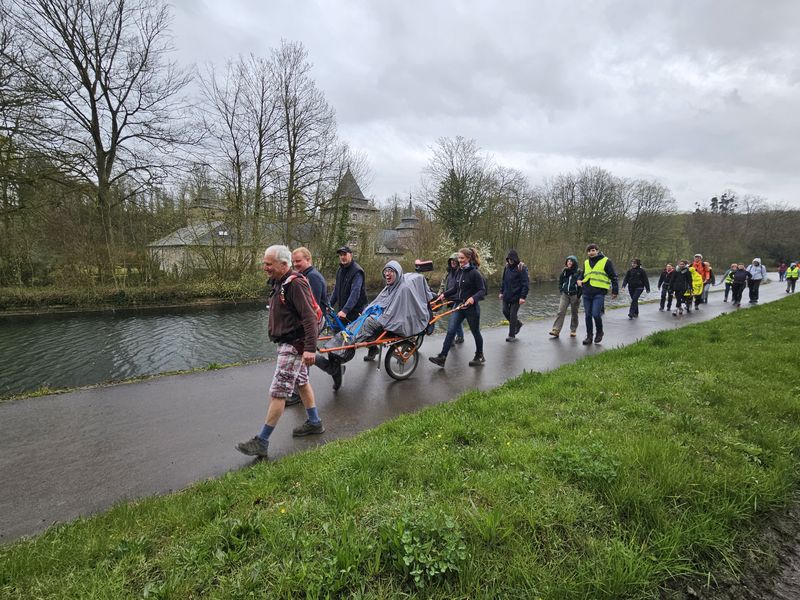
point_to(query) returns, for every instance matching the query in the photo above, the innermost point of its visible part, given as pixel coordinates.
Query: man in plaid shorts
(293, 325)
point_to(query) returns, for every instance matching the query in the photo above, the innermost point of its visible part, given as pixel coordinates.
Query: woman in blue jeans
(467, 289)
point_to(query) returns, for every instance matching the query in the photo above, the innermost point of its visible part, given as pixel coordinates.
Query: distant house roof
(196, 234)
(348, 189)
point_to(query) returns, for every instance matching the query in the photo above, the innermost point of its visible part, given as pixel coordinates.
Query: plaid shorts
(289, 371)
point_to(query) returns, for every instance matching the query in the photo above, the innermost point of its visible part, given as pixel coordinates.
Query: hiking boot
(372, 354)
(253, 447)
(511, 338)
(587, 341)
(519, 326)
(459, 339)
(438, 360)
(478, 360)
(573, 334)
(293, 399)
(598, 337)
(553, 333)
(308, 428)
(337, 377)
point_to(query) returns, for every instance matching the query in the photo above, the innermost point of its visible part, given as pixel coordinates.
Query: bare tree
(307, 149)
(457, 186)
(112, 105)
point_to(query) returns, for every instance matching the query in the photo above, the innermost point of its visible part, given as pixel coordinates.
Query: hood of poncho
(404, 303)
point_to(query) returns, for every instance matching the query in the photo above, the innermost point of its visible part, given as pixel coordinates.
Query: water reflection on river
(73, 350)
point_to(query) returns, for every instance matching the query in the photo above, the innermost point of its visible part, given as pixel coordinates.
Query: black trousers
(737, 289)
(753, 286)
(510, 310)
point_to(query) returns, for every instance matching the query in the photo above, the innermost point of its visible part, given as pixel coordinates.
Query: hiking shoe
(553, 333)
(573, 334)
(660, 308)
(459, 339)
(587, 341)
(293, 399)
(337, 377)
(598, 337)
(308, 428)
(253, 447)
(630, 317)
(511, 338)
(477, 361)
(438, 360)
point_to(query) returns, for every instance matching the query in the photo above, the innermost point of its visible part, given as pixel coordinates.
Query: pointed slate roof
(348, 188)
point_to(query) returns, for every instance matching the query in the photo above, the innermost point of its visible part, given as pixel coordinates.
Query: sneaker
(293, 399)
(573, 334)
(598, 337)
(308, 428)
(438, 360)
(587, 341)
(511, 338)
(630, 317)
(253, 447)
(372, 354)
(660, 308)
(477, 361)
(553, 333)
(459, 339)
(674, 313)
(337, 377)
(519, 326)
(636, 316)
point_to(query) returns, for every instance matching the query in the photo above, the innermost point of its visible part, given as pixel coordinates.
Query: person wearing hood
(740, 280)
(791, 278)
(570, 294)
(401, 308)
(467, 290)
(680, 283)
(598, 277)
(782, 268)
(758, 273)
(636, 281)
(513, 292)
(447, 281)
(663, 285)
(696, 289)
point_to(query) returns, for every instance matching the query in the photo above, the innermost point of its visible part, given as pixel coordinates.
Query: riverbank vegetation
(608, 478)
(138, 202)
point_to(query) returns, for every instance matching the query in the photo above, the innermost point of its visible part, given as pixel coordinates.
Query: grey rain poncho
(404, 303)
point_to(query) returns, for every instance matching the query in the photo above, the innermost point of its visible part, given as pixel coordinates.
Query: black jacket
(680, 281)
(468, 283)
(663, 280)
(568, 281)
(515, 280)
(340, 298)
(636, 278)
(610, 271)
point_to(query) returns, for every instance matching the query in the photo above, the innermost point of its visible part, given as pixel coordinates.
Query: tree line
(106, 142)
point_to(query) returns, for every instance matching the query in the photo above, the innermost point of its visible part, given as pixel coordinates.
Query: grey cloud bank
(699, 95)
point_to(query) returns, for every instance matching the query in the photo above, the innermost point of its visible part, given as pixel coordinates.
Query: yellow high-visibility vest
(596, 276)
(792, 273)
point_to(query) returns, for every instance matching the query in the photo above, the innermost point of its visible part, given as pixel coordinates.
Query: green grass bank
(608, 478)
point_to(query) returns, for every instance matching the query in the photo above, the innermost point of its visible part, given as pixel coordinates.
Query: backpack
(314, 305)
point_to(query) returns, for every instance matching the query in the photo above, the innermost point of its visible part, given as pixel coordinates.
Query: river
(69, 350)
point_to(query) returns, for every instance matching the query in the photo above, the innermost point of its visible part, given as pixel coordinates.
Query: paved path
(79, 453)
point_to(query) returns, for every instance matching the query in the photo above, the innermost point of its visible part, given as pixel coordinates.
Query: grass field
(608, 478)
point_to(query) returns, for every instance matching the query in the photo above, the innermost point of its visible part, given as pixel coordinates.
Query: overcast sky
(700, 95)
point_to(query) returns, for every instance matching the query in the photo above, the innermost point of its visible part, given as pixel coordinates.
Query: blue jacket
(319, 287)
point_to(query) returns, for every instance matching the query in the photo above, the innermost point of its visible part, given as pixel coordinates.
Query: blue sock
(265, 433)
(313, 417)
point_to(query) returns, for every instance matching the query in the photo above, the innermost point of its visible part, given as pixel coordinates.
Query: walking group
(298, 294)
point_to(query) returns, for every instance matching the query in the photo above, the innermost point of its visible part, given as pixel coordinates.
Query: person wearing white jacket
(758, 273)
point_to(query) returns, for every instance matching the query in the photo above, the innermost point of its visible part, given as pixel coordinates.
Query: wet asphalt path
(79, 453)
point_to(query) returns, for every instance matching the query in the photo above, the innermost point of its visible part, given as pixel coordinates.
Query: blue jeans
(634, 309)
(593, 305)
(472, 314)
